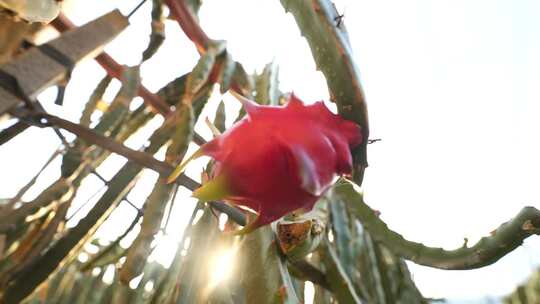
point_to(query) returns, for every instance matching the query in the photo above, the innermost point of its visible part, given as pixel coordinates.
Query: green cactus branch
(118, 187)
(273, 284)
(109, 249)
(95, 97)
(339, 281)
(267, 85)
(154, 207)
(88, 135)
(306, 271)
(114, 69)
(329, 43)
(17, 198)
(142, 158)
(48, 263)
(487, 251)
(157, 35)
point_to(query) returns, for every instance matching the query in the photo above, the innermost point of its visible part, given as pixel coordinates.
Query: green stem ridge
(485, 252)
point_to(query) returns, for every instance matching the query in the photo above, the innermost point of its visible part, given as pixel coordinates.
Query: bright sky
(452, 89)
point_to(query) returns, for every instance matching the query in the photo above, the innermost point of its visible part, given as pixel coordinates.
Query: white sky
(452, 89)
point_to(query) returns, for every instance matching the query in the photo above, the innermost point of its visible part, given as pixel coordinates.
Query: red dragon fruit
(278, 159)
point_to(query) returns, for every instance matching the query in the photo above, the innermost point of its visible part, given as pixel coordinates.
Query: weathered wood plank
(35, 71)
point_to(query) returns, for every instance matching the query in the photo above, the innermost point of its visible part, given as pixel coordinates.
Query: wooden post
(35, 71)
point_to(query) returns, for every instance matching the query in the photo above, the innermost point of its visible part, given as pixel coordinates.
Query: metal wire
(106, 182)
(133, 11)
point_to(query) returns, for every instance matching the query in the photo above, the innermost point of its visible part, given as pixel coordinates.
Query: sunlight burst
(221, 266)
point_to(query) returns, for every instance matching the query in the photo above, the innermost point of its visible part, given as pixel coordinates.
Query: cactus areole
(278, 158)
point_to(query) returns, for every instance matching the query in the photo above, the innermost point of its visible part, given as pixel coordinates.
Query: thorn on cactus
(339, 20)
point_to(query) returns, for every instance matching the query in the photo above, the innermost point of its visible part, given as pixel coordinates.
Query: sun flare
(221, 266)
